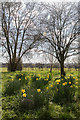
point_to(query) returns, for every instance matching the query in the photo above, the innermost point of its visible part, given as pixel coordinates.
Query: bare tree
(79, 32)
(19, 32)
(60, 31)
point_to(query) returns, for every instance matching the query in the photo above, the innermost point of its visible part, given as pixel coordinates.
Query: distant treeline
(40, 65)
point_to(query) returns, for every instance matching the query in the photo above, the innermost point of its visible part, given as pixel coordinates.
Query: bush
(38, 82)
(11, 107)
(65, 90)
(35, 98)
(13, 86)
(44, 115)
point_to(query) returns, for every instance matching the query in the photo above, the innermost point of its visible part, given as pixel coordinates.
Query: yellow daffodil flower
(36, 78)
(71, 86)
(51, 85)
(38, 90)
(39, 75)
(19, 78)
(46, 79)
(57, 80)
(47, 88)
(24, 95)
(48, 76)
(76, 83)
(57, 83)
(63, 84)
(69, 82)
(25, 78)
(23, 90)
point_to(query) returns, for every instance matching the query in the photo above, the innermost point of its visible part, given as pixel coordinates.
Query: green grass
(11, 108)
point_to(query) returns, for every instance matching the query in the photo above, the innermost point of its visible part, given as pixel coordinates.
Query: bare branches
(18, 29)
(62, 27)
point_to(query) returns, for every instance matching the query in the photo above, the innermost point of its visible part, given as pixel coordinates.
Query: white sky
(35, 58)
(41, 0)
(53, 0)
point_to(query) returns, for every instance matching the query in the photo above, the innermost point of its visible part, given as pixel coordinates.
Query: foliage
(65, 90)
(39, 82)
(42, 101)
(14, 85)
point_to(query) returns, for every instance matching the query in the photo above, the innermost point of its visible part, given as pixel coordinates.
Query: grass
(12, 110)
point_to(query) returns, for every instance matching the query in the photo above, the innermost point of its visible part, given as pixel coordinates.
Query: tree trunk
(13, 67)
(62, 69)
(51, 67)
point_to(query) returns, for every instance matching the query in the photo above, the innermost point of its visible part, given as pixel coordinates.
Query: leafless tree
(79, 33)
(18, 30)
(60, 31)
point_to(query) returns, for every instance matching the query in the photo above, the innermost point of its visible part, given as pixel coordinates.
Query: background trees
(60, 31)
(19, 33)
(52, 28)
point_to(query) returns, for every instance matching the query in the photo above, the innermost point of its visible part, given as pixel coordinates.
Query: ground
(40, 89)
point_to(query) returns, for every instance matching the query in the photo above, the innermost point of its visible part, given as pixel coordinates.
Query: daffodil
(36, 78)
(47, 88)
(57, 80)
(51, 85)
(24, 95)
(71, 86)
(39, 75)
(12, 79)
(23, 90)
(48, 76)
(46, 79)
(38, 90)
(57, 83)
(25, 78)
(76, 82)
(63, 84)
(19, 78)
(69, 82)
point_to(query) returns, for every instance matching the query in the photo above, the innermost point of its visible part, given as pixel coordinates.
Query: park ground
(37, 93)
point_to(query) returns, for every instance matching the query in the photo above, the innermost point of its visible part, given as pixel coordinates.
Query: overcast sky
(36, 58)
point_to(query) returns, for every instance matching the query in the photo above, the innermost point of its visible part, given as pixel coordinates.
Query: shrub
(38, 82)
(13, 86)
(44, 114)
(9, 115)
(35, 97)
(11, 107)
(65, 90)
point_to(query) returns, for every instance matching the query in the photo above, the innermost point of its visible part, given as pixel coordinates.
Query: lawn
(37, 93)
